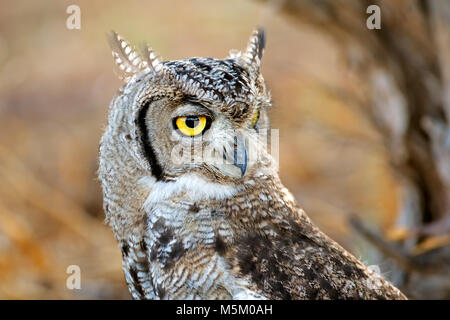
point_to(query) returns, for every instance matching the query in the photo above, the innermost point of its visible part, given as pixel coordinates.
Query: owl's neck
(193, 191)
(212, 206)
(189, 187)
(194, 188)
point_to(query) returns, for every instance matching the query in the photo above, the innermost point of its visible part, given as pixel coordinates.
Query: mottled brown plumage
(209, 229)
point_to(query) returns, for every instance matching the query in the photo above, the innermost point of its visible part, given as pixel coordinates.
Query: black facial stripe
(149, 152)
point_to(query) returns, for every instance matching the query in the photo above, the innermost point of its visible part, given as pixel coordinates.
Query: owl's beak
(240, 154)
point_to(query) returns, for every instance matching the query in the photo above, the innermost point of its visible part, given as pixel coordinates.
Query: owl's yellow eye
(191, 125)
(255, 119)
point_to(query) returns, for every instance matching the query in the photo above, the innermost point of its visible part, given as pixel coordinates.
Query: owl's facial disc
(228, 156)
(206, 140)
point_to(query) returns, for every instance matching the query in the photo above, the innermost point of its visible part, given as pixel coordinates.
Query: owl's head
(200, 116)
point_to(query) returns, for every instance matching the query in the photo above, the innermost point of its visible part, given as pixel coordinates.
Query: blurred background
(363, 118)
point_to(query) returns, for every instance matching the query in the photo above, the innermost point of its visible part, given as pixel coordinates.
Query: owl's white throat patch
(193, 187)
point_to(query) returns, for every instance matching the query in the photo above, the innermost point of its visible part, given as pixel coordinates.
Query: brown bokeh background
(55, 88)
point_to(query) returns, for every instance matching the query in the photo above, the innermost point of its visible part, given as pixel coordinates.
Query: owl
(193, 195)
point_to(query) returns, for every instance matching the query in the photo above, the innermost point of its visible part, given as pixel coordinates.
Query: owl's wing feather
(297, 261)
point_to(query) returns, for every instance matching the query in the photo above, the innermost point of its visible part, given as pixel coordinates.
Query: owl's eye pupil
(192, 122)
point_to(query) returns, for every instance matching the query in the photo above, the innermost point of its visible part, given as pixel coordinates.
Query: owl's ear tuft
(126, 57)
(251, 57)
(256, 44)
(152, 61)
